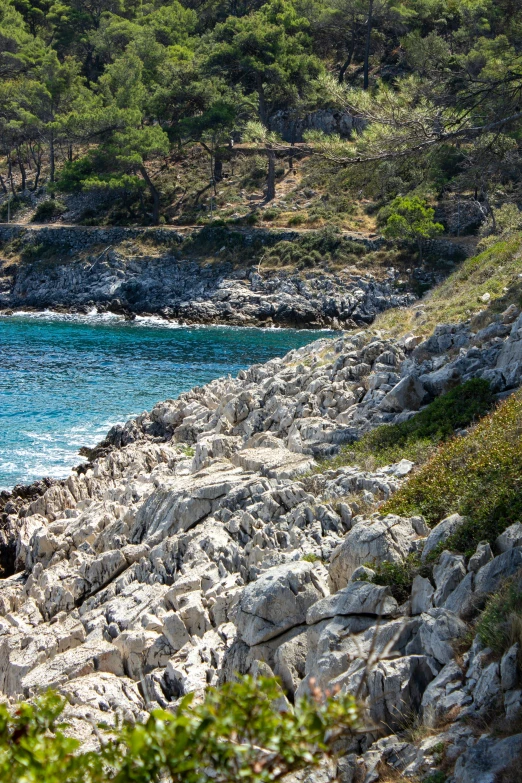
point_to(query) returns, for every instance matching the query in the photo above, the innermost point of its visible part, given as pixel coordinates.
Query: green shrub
(74, 173)
(416, 438)
(324, 246)
(310, 558)
(239, 732)
(478, 475)
(47, 210)
(500, 623)
(399, 576)
(436, 777)
(35, 251)
(297, 220)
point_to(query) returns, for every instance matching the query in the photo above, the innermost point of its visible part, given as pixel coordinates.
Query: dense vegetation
(478, 476)
(142, 101)
(243, 731)
(417, 438)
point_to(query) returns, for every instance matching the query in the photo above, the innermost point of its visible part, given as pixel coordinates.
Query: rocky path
(196, 544)
(186, 229)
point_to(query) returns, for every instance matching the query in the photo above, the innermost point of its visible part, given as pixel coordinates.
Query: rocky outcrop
(202, 540)
(104, 268)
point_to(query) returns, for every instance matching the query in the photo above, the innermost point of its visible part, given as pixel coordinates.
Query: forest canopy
(113, 95)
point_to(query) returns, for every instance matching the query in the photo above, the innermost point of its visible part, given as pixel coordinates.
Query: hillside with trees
(288, 112)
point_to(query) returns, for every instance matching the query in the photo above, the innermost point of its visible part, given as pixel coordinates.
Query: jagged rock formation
(196, 545)
(126, 279)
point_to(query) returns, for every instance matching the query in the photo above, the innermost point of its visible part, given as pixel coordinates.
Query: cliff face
(103, 268)
(197, 544)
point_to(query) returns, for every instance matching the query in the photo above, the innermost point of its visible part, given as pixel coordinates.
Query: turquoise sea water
(65, 380)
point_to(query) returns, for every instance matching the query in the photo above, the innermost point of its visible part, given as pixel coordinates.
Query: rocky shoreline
(206, 538)
(78, 269)
(189, 294)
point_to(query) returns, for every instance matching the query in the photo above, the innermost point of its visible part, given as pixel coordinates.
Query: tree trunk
(199, 193)
(154, 192)
(10, 174)
(51, 156)
(22, 172)
(261, 101)
(270, 182)
(218, 168)
(37, 175)
(419, 245)
(348, 61)
(367, 47)
(142, 205)
(3, 185)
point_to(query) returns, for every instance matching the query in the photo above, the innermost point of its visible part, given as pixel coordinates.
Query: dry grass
(497, 272)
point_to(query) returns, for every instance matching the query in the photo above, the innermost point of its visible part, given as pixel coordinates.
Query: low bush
(436, 777)
(417, 438)
(399, 576)
(238, 732)
(310, 557)
(478, 475)
(297, 220)
(34, 251)
(325, 246)
(49, 209)
(500, 624)
(74, 173)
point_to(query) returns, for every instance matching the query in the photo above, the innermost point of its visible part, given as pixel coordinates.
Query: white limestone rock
(376, 540)
(278, 600)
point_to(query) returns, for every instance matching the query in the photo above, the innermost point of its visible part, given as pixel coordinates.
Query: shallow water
(65, 380)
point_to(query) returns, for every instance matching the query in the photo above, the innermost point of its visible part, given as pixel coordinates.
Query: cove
(65, 380)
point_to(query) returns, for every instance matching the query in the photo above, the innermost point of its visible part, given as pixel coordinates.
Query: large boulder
(448, 573)
(278, 600)
(421, 595)
(440, 629)
(441, 532)
(396, 687)
(509, 359)
(373, 540)
(96, 656)
(485, 761)
(407, 395)
(357, 598)
(510, 538)
(489, 578)
(443, 694)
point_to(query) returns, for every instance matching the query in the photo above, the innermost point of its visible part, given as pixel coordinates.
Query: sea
(65, 380)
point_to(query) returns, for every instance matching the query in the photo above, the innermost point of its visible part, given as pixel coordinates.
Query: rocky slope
(196, 544)
(93, 268)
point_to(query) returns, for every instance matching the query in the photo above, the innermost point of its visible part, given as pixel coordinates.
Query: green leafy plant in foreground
(478, 476)
(245, 730)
